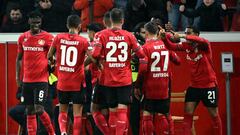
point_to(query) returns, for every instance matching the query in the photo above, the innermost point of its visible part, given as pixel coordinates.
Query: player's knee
(94, 108)
(213, 111)
(30, 110)
(39, 109)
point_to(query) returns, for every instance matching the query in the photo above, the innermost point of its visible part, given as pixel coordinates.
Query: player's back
(70, 50)
(117, 46)
(156, 78)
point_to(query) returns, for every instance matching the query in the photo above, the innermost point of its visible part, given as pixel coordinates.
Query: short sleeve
(55, 41)
(20, 42)
(49, 41)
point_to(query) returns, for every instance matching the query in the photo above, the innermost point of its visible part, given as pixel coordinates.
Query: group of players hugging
(108, 60)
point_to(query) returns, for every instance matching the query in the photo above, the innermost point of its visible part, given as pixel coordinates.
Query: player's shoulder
(104, 31)
(46, 34)
(81, 38)
(24, 34)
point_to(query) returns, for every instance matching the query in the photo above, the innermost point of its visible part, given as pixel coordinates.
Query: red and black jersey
(34, 49)
(114, 47)
(156, 70)
(199, 56)
(70, 55)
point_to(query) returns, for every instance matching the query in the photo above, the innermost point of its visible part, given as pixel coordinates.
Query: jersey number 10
(66, 55)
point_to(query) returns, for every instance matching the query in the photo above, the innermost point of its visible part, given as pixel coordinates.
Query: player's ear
(67, 26)
(122, 21)
(79, 27)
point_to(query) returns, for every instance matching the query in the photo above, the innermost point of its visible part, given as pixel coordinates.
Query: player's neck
(116, 26)
(152, 37)
(35, 32)
(73, 31)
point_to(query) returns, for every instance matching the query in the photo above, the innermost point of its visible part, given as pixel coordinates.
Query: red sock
(62, 120)
(148, 127)
(31, 124)
(112, 122)
(101, 122)
(46, 121)
(161, 125)
(77, 124)
(122, 122)
(171, 124)
(83, 128)
(217, 125)
(89, 127)
(188, 119)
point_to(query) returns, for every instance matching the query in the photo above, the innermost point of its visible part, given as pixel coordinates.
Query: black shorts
(112, 96)
(76, 97)
(157, 106)
(34, 93)
(209, 96)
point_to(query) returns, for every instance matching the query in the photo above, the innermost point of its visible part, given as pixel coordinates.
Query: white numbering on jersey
(66, 55)
(113, 46)
(41, 95)
(211, 95)
(157, 57)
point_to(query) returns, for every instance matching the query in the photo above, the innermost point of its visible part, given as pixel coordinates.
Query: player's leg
(111, 96)
(78, 99)
(64, 100)
(135, 115)
(161, 122)
(98, 99)
(210, 100)
(28, 100)
(124, 99)
(192, 99)
(40, 95)
(147, 123)
(77, 114)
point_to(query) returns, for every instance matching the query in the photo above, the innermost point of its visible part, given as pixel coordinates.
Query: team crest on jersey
(41, 42)
(25, 39)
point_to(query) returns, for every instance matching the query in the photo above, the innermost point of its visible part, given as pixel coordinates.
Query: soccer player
(203, 86)
(115, 45)
(154, 75)
(33, 46)
(70, 50)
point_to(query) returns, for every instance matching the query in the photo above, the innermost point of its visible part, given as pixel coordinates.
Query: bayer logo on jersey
(41, 42)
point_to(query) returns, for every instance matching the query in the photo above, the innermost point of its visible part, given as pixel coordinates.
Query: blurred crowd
(207, 15)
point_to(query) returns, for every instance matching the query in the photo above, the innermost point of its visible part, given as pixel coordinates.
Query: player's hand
(51, 66)
(224, 7)
(182, 8)
(137, 93)
(19, 83)
(162, 33)
(168, 26)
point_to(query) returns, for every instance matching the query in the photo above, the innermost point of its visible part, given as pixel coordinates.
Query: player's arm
(52, 50)
(201, 42)
(19, 59)
(137, 49)
(170, 45)
(143, 65)
(51, 53)
(18, 68)
(174, 58)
